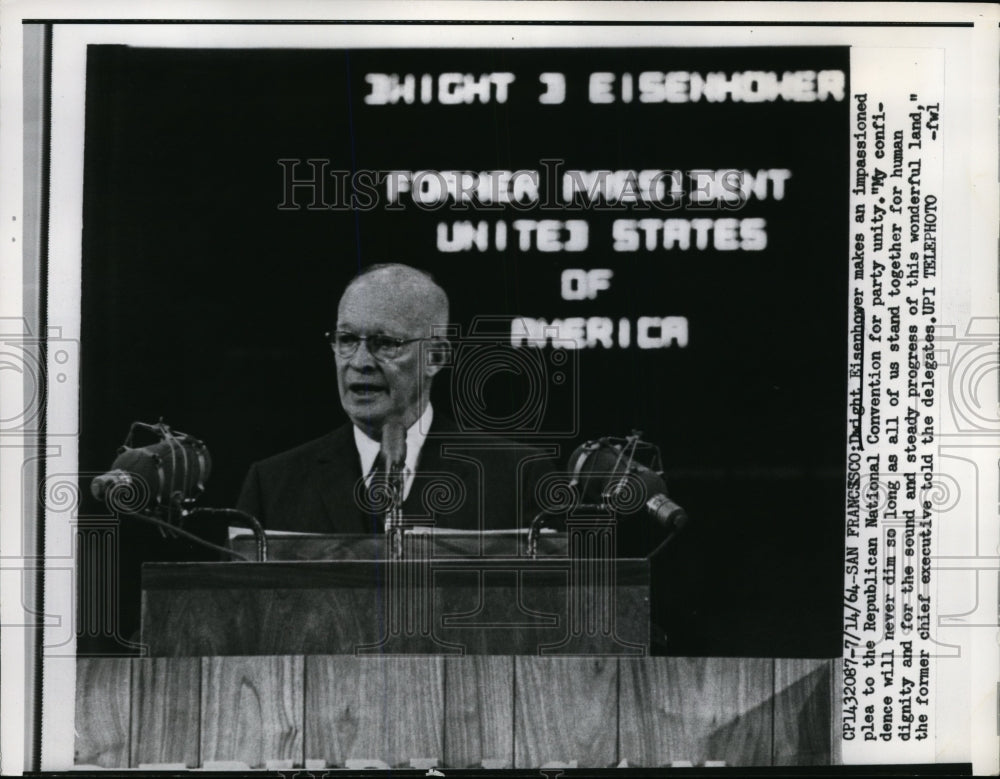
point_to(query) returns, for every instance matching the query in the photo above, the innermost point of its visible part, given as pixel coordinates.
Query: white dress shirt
(416, 433)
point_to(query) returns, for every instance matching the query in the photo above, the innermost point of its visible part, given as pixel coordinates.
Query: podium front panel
(450, 606)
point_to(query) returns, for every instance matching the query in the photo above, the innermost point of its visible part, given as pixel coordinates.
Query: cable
(191, 536)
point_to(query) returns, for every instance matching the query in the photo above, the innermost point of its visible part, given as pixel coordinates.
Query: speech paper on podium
(756, 242)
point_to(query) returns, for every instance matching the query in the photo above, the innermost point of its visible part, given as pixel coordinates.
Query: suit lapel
(429, 461)
(443, 431)
(338, 470)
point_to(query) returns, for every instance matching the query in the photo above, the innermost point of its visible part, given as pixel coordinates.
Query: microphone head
(592, 465)
(106, 486)
(394, 443)
(602, 475)
(666, 513)
(157, 476)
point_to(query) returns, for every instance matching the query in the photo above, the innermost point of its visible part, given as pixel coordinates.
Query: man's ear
(438, 355)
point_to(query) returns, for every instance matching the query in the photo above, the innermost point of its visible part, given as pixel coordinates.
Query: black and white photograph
(517, 387)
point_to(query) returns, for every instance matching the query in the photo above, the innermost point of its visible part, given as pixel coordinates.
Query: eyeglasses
(381, 347)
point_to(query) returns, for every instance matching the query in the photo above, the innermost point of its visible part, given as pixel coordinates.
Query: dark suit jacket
(460, 482)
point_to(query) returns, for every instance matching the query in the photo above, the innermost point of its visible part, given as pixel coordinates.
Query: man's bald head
(412, 292)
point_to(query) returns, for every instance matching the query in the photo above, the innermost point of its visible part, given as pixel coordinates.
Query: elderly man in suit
(388, 346)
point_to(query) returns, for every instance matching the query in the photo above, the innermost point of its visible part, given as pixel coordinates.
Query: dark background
(205, 304)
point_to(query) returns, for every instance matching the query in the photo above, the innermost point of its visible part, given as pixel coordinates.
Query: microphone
(607, 477)
(161, 477)
(158, 483)
(394, 446)
(394, 458)
(606, 474)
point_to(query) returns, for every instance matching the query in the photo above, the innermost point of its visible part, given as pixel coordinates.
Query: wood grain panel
(166, 711)
(802, 712)
(479, 710)
(565, 709)
(252, 709)
(489, 606)
(383, 708)
(103, 690)
(837, 723)
(696, 709)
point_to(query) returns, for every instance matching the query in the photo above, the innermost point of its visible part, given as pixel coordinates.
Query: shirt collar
(416, 433)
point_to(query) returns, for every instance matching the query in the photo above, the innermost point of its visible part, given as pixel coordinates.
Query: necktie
(378, 499)
(379, 490)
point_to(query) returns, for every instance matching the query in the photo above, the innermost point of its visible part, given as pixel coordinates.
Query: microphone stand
(249, 520)
(535, 528)
(394, 514)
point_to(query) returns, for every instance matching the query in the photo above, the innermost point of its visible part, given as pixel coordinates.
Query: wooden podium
(467, 654)
(451, 595)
